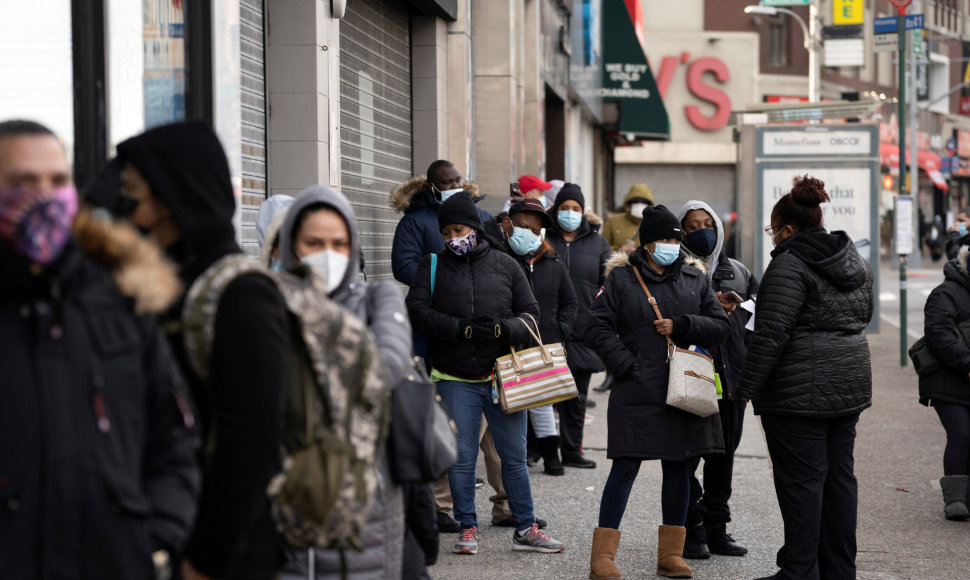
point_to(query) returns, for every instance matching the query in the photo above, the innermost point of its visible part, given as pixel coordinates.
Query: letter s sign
(717, 97)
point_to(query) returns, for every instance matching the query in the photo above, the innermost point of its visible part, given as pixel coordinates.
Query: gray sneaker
(533, 540)
(467, 541)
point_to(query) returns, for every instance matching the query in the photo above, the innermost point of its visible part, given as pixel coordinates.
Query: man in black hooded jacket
(97, 438)
(179, 178)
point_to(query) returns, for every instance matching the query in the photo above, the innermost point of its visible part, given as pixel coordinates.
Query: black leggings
(673, 499)
(956, 422)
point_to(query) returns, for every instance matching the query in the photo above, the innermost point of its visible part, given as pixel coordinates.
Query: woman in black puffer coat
(578, 244)
(469, 307)
(626, 333)
(809, 375)
(948, 388)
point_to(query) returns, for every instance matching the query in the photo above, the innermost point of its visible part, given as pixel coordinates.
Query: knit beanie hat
(570, 191)
(659, 224)
(459, 209)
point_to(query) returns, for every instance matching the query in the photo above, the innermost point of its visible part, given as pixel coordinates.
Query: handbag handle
(656, 309)
(546, 355)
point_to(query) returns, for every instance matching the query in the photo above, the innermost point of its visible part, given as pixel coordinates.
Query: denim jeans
(465, 403)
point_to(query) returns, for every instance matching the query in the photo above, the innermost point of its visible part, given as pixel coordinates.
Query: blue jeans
(465, 403)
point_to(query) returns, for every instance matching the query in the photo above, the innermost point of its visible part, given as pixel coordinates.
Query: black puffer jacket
(809, 355)
(954, 241)
(484, 282)
(585, 258)
(641, 424)
(97, 442)
(553, 290)
(947, 306)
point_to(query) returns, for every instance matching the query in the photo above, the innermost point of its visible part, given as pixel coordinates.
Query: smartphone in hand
(732, 296)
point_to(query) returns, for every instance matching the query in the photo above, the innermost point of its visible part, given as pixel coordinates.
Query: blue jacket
(417, 233)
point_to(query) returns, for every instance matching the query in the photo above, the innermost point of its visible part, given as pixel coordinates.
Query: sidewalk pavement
(902, 532)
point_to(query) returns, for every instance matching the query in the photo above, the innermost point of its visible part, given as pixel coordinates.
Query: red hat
(529, 182)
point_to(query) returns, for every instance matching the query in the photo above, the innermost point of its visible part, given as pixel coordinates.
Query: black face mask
(701, 242)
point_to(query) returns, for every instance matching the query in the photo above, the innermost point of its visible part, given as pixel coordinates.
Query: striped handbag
(534, 376)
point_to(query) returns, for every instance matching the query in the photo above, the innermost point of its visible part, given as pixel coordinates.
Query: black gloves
(487, 329)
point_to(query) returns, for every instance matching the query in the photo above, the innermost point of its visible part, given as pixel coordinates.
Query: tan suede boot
(670, 546)
(605, 543)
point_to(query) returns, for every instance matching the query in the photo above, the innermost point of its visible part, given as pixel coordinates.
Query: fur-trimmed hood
(593, 218)
(139, 268)
(404, 194)
(621, 259)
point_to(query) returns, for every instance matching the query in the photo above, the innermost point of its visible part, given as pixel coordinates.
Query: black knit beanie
(659, 224)
(459, 209)
(570, 191)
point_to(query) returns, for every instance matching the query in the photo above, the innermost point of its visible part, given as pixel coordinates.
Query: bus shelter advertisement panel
(850, 208)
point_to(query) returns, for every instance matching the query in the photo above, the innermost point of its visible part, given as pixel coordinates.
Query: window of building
(778, 42)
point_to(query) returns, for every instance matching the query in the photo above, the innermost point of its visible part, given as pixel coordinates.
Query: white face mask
(636, 209)
(331, 265)
(445, 194)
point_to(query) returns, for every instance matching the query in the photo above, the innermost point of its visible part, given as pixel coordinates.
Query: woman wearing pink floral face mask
(467, 305)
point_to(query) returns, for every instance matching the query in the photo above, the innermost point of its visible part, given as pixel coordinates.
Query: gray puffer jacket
(381, 305)
(809, 356)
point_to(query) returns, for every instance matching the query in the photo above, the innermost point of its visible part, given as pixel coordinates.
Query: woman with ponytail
(809, 376)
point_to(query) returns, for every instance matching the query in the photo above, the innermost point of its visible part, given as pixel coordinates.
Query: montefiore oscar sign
(827, 143)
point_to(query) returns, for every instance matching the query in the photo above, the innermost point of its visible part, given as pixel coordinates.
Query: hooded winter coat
(641, 424)
(809, 355)
(620, 228)
(947, 306)
(97, 464)
(585, 257)
(485, 282)
(242, 403)
(726, 275)
(418, 234)
(381, 306)
(553, 291)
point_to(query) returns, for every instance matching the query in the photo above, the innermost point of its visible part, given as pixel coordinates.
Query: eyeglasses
(771, 231)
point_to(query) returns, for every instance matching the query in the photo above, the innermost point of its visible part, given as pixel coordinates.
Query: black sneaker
(479, 482)
(590, 403)
(510, 523)
(721, 543)
(580, 462)
(695, 544)
(447, 524)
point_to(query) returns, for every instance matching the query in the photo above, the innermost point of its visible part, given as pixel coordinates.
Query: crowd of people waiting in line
(121, 456)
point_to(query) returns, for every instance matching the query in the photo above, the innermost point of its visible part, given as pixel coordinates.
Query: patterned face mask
(463, 244)
(37, 222)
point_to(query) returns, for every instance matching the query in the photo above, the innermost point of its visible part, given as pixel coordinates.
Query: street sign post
(902, 23)
(885, 31)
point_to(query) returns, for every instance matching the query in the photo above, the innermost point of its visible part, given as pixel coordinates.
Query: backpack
(336, 413)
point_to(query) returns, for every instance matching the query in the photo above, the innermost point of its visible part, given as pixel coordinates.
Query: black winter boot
(955, 497)
(695, 544)
(721, 543)
(549, 446)
(606, 385)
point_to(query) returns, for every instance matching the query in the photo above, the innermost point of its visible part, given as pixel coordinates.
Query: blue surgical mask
(523, 241)
(665, 254)
(701, 242)
(448, 193)
(569, 220)
(962, 229)
(275, 265)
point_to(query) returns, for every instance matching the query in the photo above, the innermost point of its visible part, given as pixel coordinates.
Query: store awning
(627, 78)
(926, 160)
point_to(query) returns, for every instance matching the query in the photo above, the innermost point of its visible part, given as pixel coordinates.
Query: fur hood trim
(139, 267)
(619, 259)
(592, 218)
(404, 193)
(962, 256)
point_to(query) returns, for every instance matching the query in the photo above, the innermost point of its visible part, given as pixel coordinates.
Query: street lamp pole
(809, 34)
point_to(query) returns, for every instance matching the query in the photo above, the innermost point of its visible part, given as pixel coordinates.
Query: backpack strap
(202, 304)
(434, 270)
